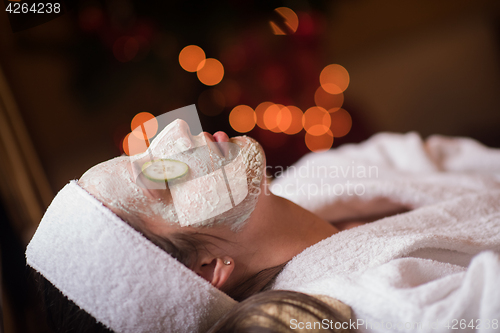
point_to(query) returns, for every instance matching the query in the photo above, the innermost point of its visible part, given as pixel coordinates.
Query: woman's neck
(298, 227)
(279, 230)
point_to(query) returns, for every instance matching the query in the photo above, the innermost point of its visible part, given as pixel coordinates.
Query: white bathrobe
(433, 269)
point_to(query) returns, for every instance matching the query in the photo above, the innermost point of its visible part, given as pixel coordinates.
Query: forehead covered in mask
(219, 188)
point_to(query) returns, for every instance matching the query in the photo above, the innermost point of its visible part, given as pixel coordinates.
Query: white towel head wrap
(115, 274)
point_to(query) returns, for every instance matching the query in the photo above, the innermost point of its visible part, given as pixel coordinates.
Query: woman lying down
(114, 252)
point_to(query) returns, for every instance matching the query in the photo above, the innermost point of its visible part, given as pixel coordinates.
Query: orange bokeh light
(334, 79)
(190, 57)
(272, 117)
(276, 30)
(242, 118)
(260, 110)
(144, 126)
(316, 121)
(132, 145)
(296, 120)
(291, 21)
(341, 123)
(277, 118)
(210, 72)
(319, 143)
(328, 101)
(284, 119)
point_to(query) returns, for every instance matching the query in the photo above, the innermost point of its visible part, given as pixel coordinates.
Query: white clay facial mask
(214, 188)
(214, 183)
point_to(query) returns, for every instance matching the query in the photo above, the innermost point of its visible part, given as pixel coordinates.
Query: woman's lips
(221, 137)
(218, 138)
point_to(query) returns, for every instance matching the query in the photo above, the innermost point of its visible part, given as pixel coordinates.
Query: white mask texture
(217, 189)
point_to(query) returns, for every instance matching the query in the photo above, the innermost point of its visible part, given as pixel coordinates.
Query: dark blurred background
(70, 87)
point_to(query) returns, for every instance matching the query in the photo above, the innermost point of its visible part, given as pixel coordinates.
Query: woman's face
(221, 187)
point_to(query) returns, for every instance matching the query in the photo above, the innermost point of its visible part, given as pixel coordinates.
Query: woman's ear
(215, 270)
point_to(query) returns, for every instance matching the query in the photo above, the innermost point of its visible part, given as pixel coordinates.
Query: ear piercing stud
(227, 262)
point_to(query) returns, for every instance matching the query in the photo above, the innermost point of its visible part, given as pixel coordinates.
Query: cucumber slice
(164, 169)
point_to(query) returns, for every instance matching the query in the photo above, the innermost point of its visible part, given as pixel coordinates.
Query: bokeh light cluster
(321, 122)
(210, 71)
(318, 124)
